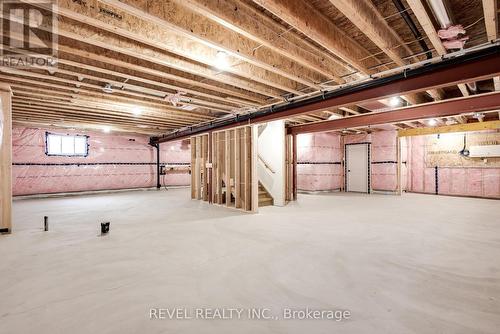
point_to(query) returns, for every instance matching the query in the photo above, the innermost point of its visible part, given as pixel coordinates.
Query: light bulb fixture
(106, 129)
(432, 122)
(394, 101)
(479, 116)
(137, 111)
(334, 116)
(221, 61)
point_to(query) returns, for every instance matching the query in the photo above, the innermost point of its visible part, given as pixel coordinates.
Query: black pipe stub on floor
(104, 228)
(45, 223)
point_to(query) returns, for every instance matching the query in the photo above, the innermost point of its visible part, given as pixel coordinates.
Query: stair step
(265, 199)
(265, 202)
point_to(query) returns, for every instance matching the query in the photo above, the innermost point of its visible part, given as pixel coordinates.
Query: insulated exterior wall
(481, 180)
(115, 161)
(319, 162)
(320, 157)
(317, 152)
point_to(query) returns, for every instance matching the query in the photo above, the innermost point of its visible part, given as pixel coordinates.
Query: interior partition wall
(223, 170)
(5, 160)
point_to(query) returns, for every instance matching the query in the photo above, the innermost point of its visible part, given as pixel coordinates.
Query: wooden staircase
(265, 198)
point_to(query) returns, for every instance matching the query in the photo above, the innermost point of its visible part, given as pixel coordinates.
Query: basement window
(66, 145)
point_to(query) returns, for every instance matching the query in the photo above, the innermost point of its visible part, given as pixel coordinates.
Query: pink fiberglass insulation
(457, 180)
(115, 161)
(320, 156)
(384, 161)
(319, 159)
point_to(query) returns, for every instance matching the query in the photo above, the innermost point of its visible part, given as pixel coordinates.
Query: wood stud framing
(223, 169)
(5, 158)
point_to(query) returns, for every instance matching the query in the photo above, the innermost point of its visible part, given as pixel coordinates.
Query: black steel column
(158, 183)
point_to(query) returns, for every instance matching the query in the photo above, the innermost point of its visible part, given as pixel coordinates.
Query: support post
(294, 159)
(158, 183)
(5, 159)
(399, 173)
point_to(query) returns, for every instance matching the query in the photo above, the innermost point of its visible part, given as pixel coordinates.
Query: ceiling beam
(476, 66)
(475, 103)
(492, 125)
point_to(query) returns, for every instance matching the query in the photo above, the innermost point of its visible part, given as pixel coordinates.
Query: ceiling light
(221, 61)
(108, 88)
(136, 111)
(106, 129)
(479, 116)
(188, 107)
(432, 122)
(334, 116)
(394, 101)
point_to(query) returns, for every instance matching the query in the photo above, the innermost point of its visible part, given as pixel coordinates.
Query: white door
(357, 168)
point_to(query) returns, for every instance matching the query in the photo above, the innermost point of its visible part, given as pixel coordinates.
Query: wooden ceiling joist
(87, 94)
(84, 36)
(93, 109)
(140, 92)
(319, 28)
(209, 90)
(248, 22)
(216, 37)
(152, 32)
(491, 21)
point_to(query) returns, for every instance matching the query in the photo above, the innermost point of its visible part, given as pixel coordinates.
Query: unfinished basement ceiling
(165, 73)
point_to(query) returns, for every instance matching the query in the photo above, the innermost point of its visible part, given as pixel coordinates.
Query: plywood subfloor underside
(415, 264)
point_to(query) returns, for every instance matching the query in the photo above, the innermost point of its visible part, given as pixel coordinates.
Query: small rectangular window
(66, 145)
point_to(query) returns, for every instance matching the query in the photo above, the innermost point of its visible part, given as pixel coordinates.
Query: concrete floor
(410, 264)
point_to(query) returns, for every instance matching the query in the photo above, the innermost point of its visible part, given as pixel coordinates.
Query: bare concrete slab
(410, 264)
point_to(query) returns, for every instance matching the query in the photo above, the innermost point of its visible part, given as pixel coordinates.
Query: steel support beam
(475, 103)
(476, 66)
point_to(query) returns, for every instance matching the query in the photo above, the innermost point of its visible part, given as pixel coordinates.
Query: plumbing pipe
(409, 21)
(328, 89)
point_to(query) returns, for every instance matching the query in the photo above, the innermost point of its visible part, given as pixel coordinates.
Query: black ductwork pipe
(409, 21)
(267, 113)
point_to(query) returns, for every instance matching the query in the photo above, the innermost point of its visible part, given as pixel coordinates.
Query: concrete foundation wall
(115, 161)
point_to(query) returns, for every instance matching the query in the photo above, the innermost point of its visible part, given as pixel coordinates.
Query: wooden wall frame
(6, 159)
(222, 168)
